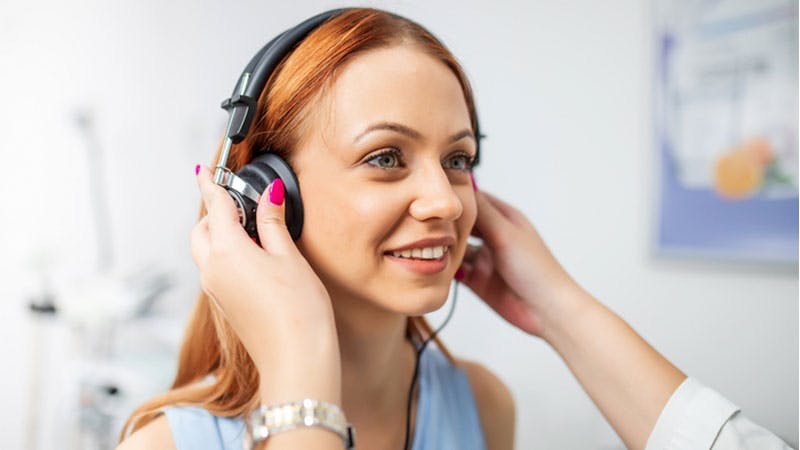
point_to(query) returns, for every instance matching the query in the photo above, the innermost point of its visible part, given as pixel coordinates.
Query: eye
(459, 161)
(387, 159)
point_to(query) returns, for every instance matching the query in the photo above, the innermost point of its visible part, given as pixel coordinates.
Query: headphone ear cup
(247, 213)
(259, 173)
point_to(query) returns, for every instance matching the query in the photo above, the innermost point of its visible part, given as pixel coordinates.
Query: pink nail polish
(459, 276)
(276, 192)
(197, 169)
(472, 178)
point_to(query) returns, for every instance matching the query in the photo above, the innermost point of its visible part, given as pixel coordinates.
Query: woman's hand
(514, 272)
(270, 296)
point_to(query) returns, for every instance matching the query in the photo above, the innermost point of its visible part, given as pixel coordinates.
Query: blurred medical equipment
(82, 383)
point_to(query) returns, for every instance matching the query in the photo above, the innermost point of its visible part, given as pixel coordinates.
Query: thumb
(271, 219)
(491, 224)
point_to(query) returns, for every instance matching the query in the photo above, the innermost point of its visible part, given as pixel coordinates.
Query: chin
(393, 296)
(421, 301)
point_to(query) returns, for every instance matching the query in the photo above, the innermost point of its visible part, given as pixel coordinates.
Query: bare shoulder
(156, 434)
(495, 405)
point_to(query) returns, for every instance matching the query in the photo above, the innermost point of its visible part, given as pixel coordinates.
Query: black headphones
(246, 185)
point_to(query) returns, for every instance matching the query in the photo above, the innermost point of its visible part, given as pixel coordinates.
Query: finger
(199, 242)
(223, 220)
(271, 219)
(510, 212)
(492, 225)
(476, 273)
(470, 253)
(483, 279)
(476, 232)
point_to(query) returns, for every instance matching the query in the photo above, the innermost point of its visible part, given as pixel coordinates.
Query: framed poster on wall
(726, 116)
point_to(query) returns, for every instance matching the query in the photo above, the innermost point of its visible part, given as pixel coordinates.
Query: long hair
(215, 371)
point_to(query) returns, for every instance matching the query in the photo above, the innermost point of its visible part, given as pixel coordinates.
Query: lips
(420, 266)
(427, 256)
(446, 241)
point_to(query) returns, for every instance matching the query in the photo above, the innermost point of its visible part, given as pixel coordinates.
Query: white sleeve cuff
(691, 419)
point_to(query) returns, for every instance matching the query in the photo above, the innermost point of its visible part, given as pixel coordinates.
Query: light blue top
(447, 416)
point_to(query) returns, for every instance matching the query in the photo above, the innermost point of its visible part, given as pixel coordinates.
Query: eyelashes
(468, 161)
(392, 158)
(389, 156)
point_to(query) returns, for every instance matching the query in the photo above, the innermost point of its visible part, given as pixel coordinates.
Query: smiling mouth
(422, 253)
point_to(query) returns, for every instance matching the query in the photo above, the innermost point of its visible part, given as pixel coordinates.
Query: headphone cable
(416, 364)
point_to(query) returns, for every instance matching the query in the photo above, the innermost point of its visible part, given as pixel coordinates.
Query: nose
(435, 197)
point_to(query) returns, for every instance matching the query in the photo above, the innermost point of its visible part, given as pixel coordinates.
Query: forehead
(398, 84)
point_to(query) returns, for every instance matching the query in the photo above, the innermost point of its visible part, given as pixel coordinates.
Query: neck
(377, 363)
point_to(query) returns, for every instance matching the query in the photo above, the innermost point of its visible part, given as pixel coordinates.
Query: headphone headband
(251, 82)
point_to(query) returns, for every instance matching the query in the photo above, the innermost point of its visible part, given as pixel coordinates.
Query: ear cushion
(262, 171)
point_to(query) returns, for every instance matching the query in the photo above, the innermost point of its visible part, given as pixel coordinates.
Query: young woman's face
(384, 164)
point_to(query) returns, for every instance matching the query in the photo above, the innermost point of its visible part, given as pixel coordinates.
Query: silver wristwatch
(268, 420)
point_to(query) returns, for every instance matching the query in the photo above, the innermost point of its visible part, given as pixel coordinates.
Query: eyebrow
(410, 132)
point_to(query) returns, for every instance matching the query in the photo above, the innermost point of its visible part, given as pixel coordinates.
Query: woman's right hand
(271, 297)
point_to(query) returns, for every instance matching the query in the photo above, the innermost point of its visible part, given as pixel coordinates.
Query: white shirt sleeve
(698, 418)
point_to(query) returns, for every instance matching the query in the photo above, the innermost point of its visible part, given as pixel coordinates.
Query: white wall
(564, 92)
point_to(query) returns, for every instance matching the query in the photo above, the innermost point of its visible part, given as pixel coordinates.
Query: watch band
(268, 420)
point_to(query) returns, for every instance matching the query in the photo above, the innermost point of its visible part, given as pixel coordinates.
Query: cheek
(470, 214)
(322, 228)
(345, 227)
(467, 221)
(471, 209)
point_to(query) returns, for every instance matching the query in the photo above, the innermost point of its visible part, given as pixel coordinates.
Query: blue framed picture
(726, 112)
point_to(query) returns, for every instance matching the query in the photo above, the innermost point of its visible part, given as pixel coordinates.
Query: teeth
(422, 253)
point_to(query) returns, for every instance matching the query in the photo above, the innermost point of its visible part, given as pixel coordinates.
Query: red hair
(210, 346)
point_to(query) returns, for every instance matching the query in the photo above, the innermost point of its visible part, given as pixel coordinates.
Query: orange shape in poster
(739, 172)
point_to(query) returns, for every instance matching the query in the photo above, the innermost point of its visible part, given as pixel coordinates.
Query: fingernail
(197, 169)
(472, 178)
(276, 192)
(459, 274)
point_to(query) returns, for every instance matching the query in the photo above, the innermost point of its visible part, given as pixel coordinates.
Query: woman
(376, 118)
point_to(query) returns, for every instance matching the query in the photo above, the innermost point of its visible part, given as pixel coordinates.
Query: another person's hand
(514, 271)
(271, 297)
